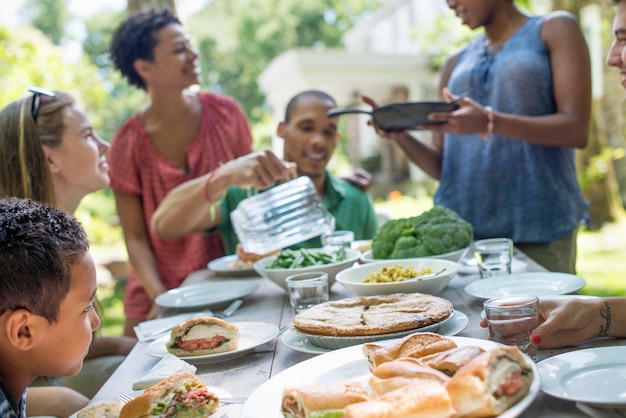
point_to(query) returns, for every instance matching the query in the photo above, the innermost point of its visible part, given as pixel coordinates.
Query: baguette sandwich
(201, 336)
(404, 371)
(491, 383)
(321, 400)
(425, 399)
(451, 360)
(182, 395)
(415, 345)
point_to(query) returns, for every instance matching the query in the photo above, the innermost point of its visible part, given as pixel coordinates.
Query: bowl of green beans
(288, 262)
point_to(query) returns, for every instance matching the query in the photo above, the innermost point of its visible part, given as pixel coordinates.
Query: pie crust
(372, 315)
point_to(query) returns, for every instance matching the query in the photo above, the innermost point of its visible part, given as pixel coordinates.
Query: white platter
(300, 343)
(204, 294)
(593, 376)
(252, 335)
(539, 284)
(348, 364)
(224, 267)
(221, 393)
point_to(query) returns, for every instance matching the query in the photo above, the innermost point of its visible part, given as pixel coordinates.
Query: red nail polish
(536, 339)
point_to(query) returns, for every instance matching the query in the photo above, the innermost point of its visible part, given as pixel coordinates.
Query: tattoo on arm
(606, 314)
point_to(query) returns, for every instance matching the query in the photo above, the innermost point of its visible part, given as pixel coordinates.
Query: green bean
(293, 259)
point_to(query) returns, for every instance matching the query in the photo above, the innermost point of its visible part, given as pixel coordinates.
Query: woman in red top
(181, 135)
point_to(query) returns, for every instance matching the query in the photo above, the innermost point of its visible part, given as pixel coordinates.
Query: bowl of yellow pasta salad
(424, 275)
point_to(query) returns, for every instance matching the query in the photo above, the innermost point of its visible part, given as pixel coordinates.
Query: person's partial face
(617, 54)
(68, 339)
(473, 13)
(175, 63)
(78, 165)
(310, 136)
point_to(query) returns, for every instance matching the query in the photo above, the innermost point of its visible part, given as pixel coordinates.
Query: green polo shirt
(352, 208)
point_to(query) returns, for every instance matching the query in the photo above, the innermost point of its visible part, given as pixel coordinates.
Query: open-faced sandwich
(201, 336)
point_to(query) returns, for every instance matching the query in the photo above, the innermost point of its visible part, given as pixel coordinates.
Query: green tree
(238, 38)
(49, 16)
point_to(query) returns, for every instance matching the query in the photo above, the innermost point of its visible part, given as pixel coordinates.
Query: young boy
(47, 290)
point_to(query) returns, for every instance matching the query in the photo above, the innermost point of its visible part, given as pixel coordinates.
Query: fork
(125, 398)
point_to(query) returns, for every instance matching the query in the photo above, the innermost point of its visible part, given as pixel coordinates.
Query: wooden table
(269, 304)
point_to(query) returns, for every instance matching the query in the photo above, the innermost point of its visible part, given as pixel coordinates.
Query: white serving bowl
(353, 278)
(368, 257)
(278, 276)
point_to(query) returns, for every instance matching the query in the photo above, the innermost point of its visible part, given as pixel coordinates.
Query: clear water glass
(512, 320)
(307, 289)
(494, 257)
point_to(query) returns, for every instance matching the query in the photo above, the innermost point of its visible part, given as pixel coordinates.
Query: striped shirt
(8, 404)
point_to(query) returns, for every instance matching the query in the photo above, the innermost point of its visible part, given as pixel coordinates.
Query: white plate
(347, 364)
(205, 294)
(224, 267)
(594, 376)
(221, 393)
(300, 343)
(252, 335)
(470, 267)
(539, 284)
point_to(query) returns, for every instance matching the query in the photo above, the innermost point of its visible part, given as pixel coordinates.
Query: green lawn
(601, 261)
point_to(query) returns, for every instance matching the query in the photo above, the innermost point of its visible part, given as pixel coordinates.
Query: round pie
(372, 315)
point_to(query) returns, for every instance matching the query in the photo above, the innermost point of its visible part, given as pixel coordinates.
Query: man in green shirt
(310, 139)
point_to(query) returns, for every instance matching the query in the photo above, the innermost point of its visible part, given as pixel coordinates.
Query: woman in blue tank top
(505, 159)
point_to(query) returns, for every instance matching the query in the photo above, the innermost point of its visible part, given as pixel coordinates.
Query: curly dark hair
(135, 39)
(39, 244)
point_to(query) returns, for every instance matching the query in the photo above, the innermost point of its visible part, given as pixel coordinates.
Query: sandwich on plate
(323, 400)
(418, 400)
(202, 336)
(402, 372)
(415, 345)
(182, 395)
(491, 383)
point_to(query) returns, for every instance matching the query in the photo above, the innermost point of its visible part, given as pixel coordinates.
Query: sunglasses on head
(36, 104)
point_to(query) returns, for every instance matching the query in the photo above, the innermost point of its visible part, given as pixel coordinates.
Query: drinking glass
(307, 289)
(493, 256)
(337, 240)
(512, 320)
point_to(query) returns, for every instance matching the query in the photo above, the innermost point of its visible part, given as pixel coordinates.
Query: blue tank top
(505, 187)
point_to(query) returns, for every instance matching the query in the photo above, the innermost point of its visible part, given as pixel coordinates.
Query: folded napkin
(167, 366)
(156, 328)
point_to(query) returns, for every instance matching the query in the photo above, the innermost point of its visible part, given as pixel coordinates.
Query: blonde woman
(49, 152)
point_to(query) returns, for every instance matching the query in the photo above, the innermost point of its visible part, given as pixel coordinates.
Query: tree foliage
(238, 38)
(49, 16)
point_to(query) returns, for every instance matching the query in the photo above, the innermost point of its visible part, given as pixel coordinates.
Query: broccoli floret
(387, 235)
(437, 231)
(407, 246)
